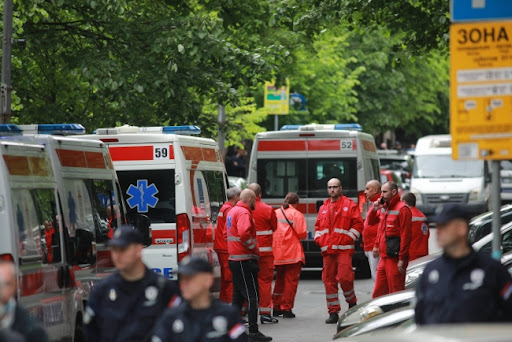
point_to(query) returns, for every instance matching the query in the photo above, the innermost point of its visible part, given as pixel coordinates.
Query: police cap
(194, 265)
(126, 235)
(448, 212)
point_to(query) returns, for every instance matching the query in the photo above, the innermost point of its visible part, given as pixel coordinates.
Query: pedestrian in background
(265, 222)
(420, 232)
(337, 228)
(372, 192)
(16, 321)
(393, 240)
(288, 255)
(243, 260)
(220, 245)
(126, 305)
(199, 317)
(461, 286)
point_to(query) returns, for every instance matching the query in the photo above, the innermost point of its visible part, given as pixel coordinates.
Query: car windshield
(443, 166)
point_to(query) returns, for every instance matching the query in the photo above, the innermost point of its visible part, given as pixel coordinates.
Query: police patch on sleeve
(433, 277)
(151, 293)
(177, 326)
(220, 324)
(112, 295)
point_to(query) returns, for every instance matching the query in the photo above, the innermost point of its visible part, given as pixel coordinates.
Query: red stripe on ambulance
(131, 153)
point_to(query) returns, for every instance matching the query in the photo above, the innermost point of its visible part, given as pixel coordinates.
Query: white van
(302, 158)
(178, 181)
(437, 179)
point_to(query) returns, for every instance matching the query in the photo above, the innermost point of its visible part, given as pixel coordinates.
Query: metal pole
(496, 205)
(221, 120)
(276, 122)
(5, 97)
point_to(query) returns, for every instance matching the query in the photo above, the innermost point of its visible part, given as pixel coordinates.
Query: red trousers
(226, 279)
(338, 270)
(285, 288)
(265, 277)
(388, 279)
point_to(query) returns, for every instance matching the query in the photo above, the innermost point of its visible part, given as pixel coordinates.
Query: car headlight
(411, 277)
(474, 195)
(417, 193)
(370, 312)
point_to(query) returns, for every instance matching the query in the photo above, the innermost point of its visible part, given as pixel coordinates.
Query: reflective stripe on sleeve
(415, 219)
(233, 238)
(323, 248)
(319, 233)
(346, 232)
(264, 232)
(265, 249)
(393, 212)
(242, 257)
(343, 247)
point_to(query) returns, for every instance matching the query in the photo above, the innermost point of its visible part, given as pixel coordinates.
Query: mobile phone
(381, 201)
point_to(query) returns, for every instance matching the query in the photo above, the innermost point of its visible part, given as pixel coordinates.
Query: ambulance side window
(104, 207)
(375, 168)
(216, 192)
(47, 213)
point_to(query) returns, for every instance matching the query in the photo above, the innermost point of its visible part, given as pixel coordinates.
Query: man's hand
(400, 266)
(375, 252)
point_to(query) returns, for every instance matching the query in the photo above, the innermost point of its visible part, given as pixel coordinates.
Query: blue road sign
(480, 10)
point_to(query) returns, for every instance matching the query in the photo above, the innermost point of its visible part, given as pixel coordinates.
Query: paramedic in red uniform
(338, 226)
(243, 260)
(393, 240)
(419, 229)
(288, 255)
(220, 245)
(265, 222)
(372, 192)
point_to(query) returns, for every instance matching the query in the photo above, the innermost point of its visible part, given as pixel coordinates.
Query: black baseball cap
(126, 235)
(448, 212)
(194, 265)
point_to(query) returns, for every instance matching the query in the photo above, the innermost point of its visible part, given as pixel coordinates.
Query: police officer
(125, 306)
(199, 317)
(462, 285)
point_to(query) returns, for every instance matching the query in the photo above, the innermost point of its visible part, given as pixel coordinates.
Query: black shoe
(277, 313)
(333, 318)
(288, 314)
(259, 337)
(351, 305)
(268, 319)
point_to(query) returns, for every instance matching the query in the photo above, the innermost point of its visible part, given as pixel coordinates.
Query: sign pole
(276, 122)
(496, 204)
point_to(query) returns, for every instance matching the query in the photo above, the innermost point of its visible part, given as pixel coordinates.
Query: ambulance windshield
(150, 192)
(306, 177)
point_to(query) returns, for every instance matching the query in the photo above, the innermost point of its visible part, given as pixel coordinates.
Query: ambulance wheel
(79, 330)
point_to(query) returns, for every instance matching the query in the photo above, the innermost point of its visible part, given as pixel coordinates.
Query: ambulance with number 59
(302, 158)
(178, 181)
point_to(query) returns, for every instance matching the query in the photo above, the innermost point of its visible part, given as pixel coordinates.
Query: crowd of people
(252, 241)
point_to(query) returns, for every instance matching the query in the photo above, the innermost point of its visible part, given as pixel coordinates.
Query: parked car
(481, 225)
(398, 162)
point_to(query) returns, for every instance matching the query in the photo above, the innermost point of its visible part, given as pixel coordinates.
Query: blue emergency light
(337, 127)
(188, 129)
(55, 129)
(348, 127)
(10, 130)
(290, 127)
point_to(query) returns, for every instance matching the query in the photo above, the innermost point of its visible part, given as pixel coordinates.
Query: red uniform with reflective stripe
(369, 233)
(338, 226)
(396, 221)
(419, 235)
(220, 245)
(265, 222)
(242, 243)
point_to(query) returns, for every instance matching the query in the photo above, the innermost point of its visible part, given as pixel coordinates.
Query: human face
(8, 283)
(387, 193)
(334, 189)
(195, 286)
(451, 233)
(126, 258)
(370, 190)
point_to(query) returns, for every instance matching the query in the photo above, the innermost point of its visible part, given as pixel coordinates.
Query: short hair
(409, 199)
(291, 198)
(392, 185)
(233, 192)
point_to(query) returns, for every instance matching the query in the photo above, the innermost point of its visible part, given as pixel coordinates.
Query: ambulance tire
(79, 330)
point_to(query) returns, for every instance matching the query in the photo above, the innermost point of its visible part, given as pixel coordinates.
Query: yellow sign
(277, 100)
(481, 90)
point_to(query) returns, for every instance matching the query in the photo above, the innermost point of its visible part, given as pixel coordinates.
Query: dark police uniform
(220, 322)
(475, 288)
(119, 310)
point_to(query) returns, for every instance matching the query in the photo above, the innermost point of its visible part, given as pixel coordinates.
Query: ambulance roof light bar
(9, 130)
(185, 130)
(54, 129)
(321, 127)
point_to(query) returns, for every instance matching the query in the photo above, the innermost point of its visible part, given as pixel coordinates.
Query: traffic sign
(277, 100)
(478, 10)
(481, 90)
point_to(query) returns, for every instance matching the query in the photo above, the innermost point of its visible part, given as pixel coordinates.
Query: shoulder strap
(289, 223)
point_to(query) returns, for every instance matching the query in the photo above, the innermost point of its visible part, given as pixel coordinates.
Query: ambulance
(67, 225)
(302, 158)
(178, 181)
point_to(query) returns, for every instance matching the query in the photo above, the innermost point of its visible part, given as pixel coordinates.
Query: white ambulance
(74, 236)
(178, 181)
(302, 158)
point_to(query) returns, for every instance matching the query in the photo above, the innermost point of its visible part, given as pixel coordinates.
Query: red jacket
(265, 222)
(396, 221)
(220, 244)
(419, 235)
(242, 243)
(338, 225)
(287, 245)
(370, 230)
